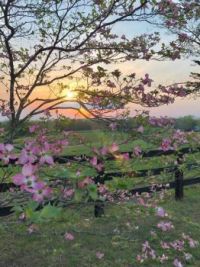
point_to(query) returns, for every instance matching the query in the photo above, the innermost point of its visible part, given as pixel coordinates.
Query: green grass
(123, 229)
(82, 141)
(119, 235)
(105, 138)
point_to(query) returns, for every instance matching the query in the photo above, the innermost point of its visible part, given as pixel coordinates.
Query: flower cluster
(176, 90)
(29, 182)
(6, 153)
(147, 252)
(36, 154)
(166, 144)
(165, 226)
(40, 149)
(161, 122)
(177, 138)
(4, 108)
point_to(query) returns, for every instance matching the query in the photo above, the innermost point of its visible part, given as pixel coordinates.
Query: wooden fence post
(99, 205)
(98, 209)
(179, 186)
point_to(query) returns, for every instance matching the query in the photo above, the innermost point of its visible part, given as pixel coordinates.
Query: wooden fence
(178, 183)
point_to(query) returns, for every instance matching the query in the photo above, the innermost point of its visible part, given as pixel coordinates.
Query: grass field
(120, 233)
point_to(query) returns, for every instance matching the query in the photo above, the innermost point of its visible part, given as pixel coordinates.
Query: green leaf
(29, 212)
(92, 190)
(18, 209)
(49, 212)
(30, 209)
(78, 196)
(32, 205)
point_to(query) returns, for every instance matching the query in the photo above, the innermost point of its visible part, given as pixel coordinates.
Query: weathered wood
(4, 211)
(179, 185)
(151, 153)
(98, 209)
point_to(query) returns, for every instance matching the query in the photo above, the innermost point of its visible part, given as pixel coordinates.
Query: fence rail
(145, 154)
(106, 176)
(5, 211)
(178, 183)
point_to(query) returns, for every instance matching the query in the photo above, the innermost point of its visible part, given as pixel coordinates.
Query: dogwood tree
(182, 19)
(45, 46)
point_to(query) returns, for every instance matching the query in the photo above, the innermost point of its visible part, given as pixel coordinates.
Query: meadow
(116, 238)
(118, 235)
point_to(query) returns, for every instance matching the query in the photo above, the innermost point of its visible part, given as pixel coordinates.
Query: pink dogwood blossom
(192, 243)
(102, 189)
(166, 144)
(33, 228)
(6, 153)
(165, 226)
(69, 236)
(140, 129)
(113, 148)
(177, 245)
(177, 263)
(147, 81)
(137, 151)
(113, 126)
(85, 182)
(99, 255)
(161, 212)
(104, 151)
(46, 159)
(94, 161)
(68, 193)
(165, 245)
(33, 128)
(163, 258)
(125, 156)
(41, 191)
(26, 178)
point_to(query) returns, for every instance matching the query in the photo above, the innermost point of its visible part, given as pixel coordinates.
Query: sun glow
(70, 95)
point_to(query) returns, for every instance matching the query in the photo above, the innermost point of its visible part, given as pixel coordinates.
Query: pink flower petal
(99, 255)
(46, 159)
(113, 148)
(19, 179)
(160, 212)
(94, 161)
(9, 147)
(69, 236)
(177, 263)
(28, 170)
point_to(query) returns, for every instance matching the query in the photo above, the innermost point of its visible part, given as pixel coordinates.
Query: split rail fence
(178, 183)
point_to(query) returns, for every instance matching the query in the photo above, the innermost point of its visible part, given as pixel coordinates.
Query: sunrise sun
(70, 95)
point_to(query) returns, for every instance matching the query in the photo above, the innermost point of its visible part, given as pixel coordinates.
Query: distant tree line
(186, 123)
